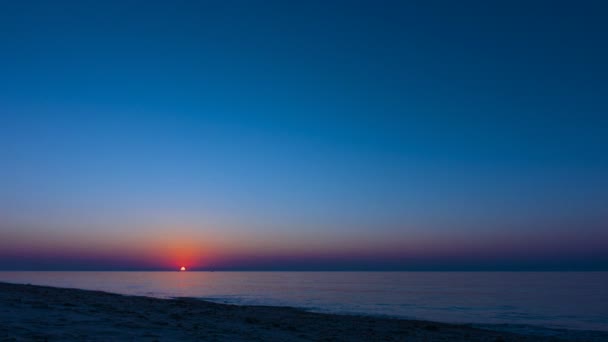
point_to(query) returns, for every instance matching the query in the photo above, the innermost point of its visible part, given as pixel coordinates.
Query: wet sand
(42, 313)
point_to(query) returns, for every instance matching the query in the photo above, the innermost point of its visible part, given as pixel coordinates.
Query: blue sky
(265, 129)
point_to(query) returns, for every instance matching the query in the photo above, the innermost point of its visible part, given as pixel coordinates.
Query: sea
(555, 300)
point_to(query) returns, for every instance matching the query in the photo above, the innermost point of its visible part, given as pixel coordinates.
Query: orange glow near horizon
(182, 269)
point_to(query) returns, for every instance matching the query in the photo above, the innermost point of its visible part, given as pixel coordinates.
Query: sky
(303, 135)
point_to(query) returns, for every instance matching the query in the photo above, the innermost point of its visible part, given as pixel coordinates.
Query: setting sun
(182, 268)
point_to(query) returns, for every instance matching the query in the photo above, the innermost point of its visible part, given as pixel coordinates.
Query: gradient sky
(303, 135)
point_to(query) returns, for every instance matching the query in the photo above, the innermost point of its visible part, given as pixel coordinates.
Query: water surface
(575, 300)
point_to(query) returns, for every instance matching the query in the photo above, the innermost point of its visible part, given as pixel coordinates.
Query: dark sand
(54, 314)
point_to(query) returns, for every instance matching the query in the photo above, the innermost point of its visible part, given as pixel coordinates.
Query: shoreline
(32, 312)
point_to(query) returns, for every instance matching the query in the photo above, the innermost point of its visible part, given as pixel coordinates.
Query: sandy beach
(42, 313)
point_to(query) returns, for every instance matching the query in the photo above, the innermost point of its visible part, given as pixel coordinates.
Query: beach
(41, 313)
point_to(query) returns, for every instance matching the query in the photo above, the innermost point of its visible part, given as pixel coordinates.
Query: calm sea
(575, 300)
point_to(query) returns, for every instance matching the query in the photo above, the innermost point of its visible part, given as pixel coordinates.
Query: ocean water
(572, 300)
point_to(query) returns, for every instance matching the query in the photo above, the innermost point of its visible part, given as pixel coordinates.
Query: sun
(182, 269)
